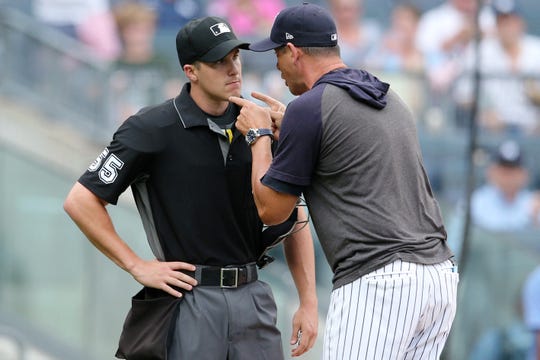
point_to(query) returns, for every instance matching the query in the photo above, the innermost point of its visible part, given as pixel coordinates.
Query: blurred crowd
(428, 54)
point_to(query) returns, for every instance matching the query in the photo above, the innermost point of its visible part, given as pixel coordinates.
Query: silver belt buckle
(222, 275)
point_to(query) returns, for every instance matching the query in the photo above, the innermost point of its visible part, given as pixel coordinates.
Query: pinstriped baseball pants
(403, 311)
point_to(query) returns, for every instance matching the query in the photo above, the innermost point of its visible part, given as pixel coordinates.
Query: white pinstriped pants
(402, 311)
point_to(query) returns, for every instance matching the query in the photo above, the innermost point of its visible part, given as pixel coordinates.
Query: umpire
(190, 172)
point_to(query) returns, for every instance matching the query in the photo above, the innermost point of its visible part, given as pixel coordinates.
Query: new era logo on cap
(219, 29)
(288, 36)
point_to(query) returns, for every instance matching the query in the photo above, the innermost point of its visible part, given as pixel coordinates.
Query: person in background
(171, 15)
(189, 169)
(504, 202)
(443, 34)
(140, 75)
(358, 35)
(136, 24)
(510, 75)
(397, 51)
(90, 21)
(348, 143)
(249, 18)
(504, 214)
(398, 59)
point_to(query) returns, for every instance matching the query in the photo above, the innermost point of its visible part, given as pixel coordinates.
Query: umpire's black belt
(225, 277)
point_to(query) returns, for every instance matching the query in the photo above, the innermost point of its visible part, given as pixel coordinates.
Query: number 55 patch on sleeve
(108, 172)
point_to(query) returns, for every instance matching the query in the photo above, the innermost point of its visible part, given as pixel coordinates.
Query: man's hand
(251, 115)
(304, 331)
(256, 116)
(163, 275)
(277, 109)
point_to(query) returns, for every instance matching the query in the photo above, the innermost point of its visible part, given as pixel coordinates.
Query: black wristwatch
(253, 134)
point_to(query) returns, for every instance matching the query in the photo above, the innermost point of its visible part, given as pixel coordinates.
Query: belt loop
(251, 271)
(198, 273)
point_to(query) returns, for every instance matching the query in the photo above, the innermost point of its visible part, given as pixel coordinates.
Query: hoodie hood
(361, 86)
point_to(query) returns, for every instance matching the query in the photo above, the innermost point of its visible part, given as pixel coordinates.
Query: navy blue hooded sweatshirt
(359, 84)
(350, 146)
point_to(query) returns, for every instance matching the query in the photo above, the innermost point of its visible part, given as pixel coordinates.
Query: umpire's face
(219, 80)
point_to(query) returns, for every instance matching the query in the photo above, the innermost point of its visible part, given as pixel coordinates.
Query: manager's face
(289, 71)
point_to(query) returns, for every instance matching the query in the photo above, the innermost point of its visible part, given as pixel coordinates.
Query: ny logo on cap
(219, 29)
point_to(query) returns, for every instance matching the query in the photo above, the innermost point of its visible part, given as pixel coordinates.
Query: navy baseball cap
(509, 154)
(206, 39)
(306, 25)
(505, 7)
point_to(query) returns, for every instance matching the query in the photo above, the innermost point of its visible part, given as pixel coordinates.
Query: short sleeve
(119, 164)
(299, 141)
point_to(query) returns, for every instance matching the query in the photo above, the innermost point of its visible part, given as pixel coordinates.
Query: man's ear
(294, 52)
(190, 72)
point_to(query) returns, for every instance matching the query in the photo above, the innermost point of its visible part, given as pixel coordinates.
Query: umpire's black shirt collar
(188, 111)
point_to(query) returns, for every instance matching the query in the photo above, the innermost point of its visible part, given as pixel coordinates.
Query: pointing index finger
(238, 100)
(274, 104)
(265, 98)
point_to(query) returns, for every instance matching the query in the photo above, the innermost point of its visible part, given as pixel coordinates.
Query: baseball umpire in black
(190, 173)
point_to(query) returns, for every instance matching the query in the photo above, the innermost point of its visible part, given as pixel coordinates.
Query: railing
(54, 72)
(50, 275)
(20, 341)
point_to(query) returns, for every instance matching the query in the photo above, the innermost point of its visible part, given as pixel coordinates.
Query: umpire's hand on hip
(163, 275)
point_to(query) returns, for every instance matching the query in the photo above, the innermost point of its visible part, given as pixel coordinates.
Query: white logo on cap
(219, 29)
(288, 36)
(510, 150)
(333, 37)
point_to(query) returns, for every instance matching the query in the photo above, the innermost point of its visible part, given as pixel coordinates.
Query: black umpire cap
(206, 39)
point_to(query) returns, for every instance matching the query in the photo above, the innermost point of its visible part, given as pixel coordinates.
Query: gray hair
(321, 51)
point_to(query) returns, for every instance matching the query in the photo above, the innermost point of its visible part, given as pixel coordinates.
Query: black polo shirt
(192, 189)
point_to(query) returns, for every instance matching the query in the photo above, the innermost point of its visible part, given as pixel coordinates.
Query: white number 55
(109, 171)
